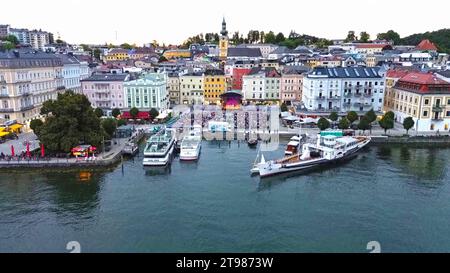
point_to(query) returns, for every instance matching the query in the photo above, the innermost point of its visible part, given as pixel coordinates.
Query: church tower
(223, 43)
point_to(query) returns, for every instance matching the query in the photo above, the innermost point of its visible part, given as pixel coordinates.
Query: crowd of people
(246, 118)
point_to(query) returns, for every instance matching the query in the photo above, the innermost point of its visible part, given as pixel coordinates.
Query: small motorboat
(252, 142)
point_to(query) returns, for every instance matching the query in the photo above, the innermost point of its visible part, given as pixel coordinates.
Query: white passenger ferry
(191, 144)
(159, 148)
(330, 147)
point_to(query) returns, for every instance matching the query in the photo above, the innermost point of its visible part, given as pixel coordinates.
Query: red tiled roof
(426, 45)
(396, 74)
(371, 45)
(422, 78)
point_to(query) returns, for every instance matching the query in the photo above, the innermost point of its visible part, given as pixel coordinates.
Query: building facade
(191, 88)
(105, 91)
(214, 85)
(343, 89)
(261, 85)
(422, 96)
(39, 39)
(291, 86)
(173, 85)
(73, 72)
(27, 80)
(147, 92)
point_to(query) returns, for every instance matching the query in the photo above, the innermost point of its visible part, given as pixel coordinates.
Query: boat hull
(268, 170)
(190, 155)
(160, 161)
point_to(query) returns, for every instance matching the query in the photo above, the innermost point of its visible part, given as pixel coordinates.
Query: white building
(343, 89)
(147, 92)
(73, 72)
(39, 39)
(261, 85)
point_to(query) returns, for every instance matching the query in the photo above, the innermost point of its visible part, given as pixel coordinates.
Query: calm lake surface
(397, 196)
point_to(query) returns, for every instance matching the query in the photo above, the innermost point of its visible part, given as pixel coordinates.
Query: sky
(173, 21)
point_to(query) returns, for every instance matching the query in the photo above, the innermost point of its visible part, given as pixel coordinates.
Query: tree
(126, 46)
(115, 112)
(283, 107)
(280, 38)
(97, 53)
(134, 112)
(162, 59)
(36, 125)
(351, 37)
(364, 37)
(408, 123)
(109, 125)
(386, 123)
(85, 47)
(371, 116)
(70, 121)
(441, 38)
(343, 123)
(364, 124)
(98, 112)
(323, 124)
(270, 38)
(121, 122)
(390, 115)
(390, 36)
(333, 116)
(12, 39)
(153, 113)
(352, 116)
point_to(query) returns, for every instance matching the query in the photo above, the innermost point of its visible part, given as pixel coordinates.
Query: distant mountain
(441, 38)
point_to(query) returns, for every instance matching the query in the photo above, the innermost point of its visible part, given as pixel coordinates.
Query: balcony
(348, 94)
(4, 95)
(320, 97)
(6, 110)
(357, 94)
(437, 109)
(26, 94)
(26, 108)
(368, 95)
(334, 98)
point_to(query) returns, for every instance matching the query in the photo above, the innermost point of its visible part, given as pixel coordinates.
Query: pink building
(291, 85)
(105, 91)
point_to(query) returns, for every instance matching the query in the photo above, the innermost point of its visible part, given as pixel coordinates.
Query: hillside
(441, 38)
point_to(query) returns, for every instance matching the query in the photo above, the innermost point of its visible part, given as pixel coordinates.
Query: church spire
(224, 31)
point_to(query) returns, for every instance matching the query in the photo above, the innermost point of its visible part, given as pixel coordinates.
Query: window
(425, 113)
(448, 114)
(427, 101)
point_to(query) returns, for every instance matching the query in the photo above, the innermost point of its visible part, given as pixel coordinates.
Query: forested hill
(441, 38)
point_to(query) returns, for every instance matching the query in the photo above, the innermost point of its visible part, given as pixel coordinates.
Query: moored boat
(331, 147)
(159, 148)
(191, 145)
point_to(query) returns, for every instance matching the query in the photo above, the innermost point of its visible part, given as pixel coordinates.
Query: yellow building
(177, 53)
(223, 43)
(421, 96)
(27, 80)
(215, 84)
(117, 54)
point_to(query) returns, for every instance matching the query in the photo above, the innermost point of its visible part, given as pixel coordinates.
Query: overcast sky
(172, 21)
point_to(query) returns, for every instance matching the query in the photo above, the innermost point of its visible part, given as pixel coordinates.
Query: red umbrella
(12, 150)
(42, 150)
(28, 150)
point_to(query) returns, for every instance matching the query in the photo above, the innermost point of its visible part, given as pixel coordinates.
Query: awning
(141, 115)
(162, 116)
(16, 127)
(3, 134)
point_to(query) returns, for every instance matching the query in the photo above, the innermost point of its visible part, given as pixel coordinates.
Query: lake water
(397, 196)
